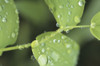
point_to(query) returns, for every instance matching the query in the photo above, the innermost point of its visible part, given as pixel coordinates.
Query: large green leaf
(9, 23)
(66, 12)
(55, 49)
(95, 26)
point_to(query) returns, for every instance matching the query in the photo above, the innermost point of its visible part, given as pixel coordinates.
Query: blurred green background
(35, 18)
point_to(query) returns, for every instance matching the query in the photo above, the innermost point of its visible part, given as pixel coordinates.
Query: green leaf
(95, 26)
(9, 23)
(55, 49)
(66, 12)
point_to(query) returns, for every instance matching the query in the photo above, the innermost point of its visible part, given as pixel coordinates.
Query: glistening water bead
(4, 20)
(80, 3)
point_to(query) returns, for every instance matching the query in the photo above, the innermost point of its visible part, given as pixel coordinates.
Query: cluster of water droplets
(4, 19)
(70, 8)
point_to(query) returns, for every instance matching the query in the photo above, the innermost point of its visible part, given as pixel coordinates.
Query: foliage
(52, 47)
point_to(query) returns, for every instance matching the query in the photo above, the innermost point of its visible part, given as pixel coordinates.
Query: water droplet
(42, 44)
(63, 37)
(16, 11)
(58, 41)
(80, 3)
(55, 56)
(57, 25)
(33, 58)
(68, 45)
(77, 19)
(4, 20)
(60, 6)
(42, 59)
(93, 25)
(43, 50)
(58, 16)
(50, 61)
(72, 6)
(67, 31)
(13, 35)
(69, 13)
(6, 1)
(67, 5)
(20, 47)
(54, 40)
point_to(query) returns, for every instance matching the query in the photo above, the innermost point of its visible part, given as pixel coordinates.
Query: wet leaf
(66, 12)
(55, 49)
(9, 23)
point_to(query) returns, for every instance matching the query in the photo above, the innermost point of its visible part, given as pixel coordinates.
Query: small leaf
(66, 12)
(55, 49)
(95, 26)
(9, 23)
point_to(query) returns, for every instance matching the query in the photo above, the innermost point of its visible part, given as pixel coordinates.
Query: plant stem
(71, 27)
(20, 47)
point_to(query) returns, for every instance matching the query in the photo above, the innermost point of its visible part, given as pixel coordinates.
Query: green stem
(20, 47)
(29, 44)
(80, 26)
(71, 27)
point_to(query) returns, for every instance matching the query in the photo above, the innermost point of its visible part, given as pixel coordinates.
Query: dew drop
(62, 37)
(72, 6)
(54, 40)
(58, 16)
(57, 25)
(58, 41)
(16, 11)
(4, 20)
(60, 6)
(67, 31)
(50, 61)
(33, 58)
(80, 3)
(42, 44)
(43, 50)
(20, 47)
(6, 1)
(69, 13)
(77, 19)
(55, 56)
(68, 45)
(67, 5)
(93, 25)
(42, 59)
(13, 35)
